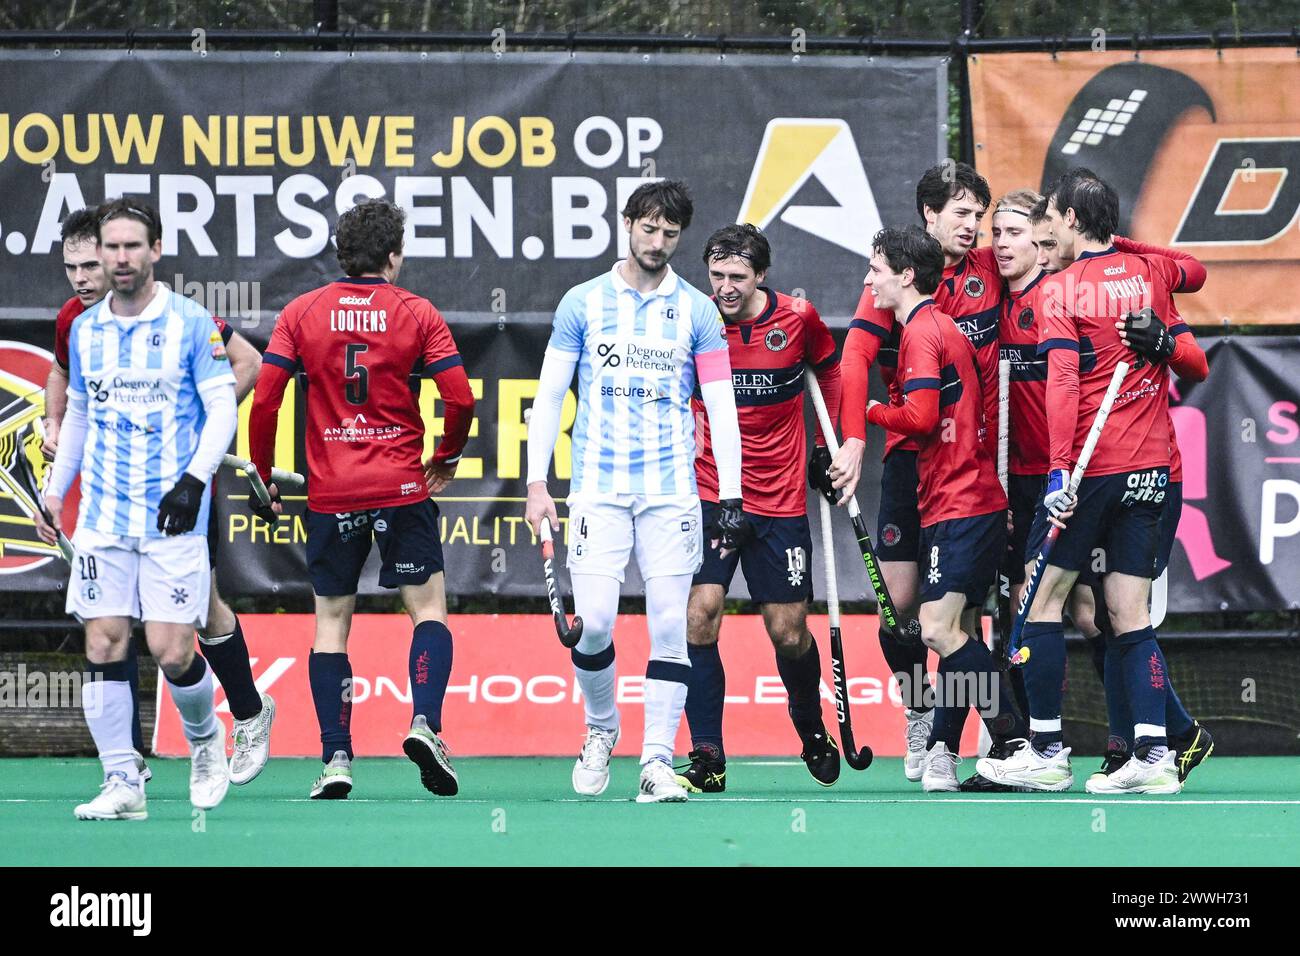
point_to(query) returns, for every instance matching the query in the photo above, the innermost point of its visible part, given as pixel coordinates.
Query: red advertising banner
(512, 691)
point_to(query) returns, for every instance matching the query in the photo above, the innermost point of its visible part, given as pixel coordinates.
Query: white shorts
(150, 579)
(665, 531)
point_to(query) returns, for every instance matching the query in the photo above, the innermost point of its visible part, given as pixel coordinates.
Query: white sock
(668, 671)
(107, 705)
(664, 702)
(196, 705)
(595, 599)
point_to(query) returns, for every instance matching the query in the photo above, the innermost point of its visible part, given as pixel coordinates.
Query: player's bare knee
(787, 627)
(106, 639)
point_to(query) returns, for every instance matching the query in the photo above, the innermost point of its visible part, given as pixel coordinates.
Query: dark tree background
(886, 18)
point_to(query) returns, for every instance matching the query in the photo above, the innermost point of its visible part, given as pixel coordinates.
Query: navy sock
(228, 657)
(705, 690)
(1097, 651)
(802, 677)
(430, 669)
(331, 692)
(133, 678)
(1044, 677)
(907, 663)
(193, 674)
(1178, 722)
(954, 694)
(1117, 712)
(1147, 683)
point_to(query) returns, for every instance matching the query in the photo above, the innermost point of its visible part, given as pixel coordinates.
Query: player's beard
(649, 264)
(128, 286)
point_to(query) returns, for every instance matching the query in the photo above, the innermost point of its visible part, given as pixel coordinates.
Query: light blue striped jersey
(140, 377)
(635, 433)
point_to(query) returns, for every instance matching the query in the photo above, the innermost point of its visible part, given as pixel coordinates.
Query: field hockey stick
(888, 616)
(1004, 441)
(19, 477)
(1018, 654)
(857, 759)
(284, 480)
(569, 635)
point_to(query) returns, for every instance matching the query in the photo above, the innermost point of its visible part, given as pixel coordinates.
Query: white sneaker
(117, 800)
(335, 781)
(1137, 776)
(252, 743)
(142, 768)
(919, 726)
(591, 771)
(1028, 768)
(659, 784)
(940, 775)
(209, 774)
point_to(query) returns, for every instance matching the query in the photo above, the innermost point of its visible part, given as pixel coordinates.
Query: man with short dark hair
(960, 502)
(1121, 498)
(771, 339)
(221, 639)
(151, 410)
(358, 340)
(951, 199)
(642, 340)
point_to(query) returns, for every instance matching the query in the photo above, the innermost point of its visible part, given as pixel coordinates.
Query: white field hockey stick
(1018, 654)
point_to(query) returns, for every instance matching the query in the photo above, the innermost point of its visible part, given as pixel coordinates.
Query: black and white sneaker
(1191, 749)
(706, 773)
(822, 757)
(428, 752)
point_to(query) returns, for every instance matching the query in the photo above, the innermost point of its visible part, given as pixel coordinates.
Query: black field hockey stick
(857, 759)
(888, 616)
(1017, 654)
(569, 635)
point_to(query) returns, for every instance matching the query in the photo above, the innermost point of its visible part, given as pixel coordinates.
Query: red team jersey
(958, 477)
(1080, 306)
(1018, 334)
(971, 293)
(768, 358)
(73, 308)
(359, 341)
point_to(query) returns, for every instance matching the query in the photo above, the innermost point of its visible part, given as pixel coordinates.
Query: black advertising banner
(1238, 545)
(511, 168)
(487, 547)
(1239, 432)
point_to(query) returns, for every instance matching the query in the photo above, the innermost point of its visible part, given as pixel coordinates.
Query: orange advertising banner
(512, 691)
(1203, 147)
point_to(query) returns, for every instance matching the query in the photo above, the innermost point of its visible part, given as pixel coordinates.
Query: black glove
(730, 528)
(265, 512)
(1148, 336)
(179, 508)
(819, 478)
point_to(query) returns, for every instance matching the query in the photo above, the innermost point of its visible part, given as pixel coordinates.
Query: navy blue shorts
(1115, 526)
(338, 545)
(1024, 492)
(777, 563)
(962, 555)
(1169, 525)
(898, 521)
